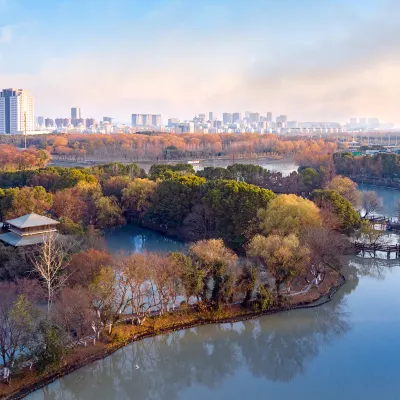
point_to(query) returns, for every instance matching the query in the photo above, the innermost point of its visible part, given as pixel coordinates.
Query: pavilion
(28, 230)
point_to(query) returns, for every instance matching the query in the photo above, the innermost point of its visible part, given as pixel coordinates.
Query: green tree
(173, 200)
(108, 212)
(137, 197)
(16, 202)
(49, 345)
(167, 171)
(234, 207)
(331, 200)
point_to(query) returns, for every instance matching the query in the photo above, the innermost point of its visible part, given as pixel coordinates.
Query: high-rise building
(269, 116)
(254, 117)
(91, 123)
(227, 118)
(16, 111)
(76, 113)
(211, 116)
(156, 120)
(108, 119)
(48, 122)
(236, 116)
(137, 119)
(40, 121)
(282, 118)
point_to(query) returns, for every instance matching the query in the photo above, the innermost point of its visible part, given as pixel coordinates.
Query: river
(347, 348)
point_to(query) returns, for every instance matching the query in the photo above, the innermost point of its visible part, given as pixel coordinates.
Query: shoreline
(41, 382)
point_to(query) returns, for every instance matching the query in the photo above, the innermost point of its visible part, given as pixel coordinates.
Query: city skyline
(313, 60)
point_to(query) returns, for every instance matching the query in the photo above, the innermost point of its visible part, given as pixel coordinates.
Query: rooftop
(17, 241)
(31, 220)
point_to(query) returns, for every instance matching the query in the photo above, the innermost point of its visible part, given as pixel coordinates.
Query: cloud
(174, 62)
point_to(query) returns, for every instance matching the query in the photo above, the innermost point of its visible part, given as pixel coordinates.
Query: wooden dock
(375, 247)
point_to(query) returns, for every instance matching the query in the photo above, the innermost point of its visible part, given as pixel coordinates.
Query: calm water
(133, 238)
(389, 198)
(284, 166)
(347, 349)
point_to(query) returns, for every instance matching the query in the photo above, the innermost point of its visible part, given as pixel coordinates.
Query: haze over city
(313, 60)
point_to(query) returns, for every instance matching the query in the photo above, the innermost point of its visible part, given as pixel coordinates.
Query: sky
(314, 60)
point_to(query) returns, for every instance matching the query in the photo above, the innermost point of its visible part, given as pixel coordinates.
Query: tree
(346, 188)
(85, 265)
(114, 186)
(73, 311)
(287, 214)
(233, 205)
(136, 198)
(109, 294)
(50, 264)
(218, 264)
(326, 249)
(191, 274)
(247, 281)
(109, 212)
(310, 178)
(16, 202)
(17, 322)
(69, 204)
(283, 256)
(167, 171)
(136, 275)
(370, 235)
(332, 201)
(370, 203)
(49, 346)
(173, 200)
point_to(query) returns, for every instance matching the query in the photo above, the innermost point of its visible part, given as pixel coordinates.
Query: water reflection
(277, 348)
(133, 238)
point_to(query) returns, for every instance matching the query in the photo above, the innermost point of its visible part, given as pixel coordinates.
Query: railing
(374, 247)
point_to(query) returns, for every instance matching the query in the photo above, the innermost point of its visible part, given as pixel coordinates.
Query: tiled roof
(31, 220)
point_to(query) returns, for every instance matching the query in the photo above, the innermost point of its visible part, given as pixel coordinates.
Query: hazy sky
(310, 59)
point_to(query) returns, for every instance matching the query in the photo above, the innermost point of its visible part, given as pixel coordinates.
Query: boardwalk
(375, 247)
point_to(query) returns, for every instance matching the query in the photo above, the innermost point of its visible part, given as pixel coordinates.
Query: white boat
(194, 162)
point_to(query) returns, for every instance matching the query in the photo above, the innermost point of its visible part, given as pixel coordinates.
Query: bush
(264, 300)
(50, 345)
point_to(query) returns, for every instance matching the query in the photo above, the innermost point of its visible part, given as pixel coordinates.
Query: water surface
(389, 198)
(347, 349)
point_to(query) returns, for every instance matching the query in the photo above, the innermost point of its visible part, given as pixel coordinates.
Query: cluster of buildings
(17, 117)
(250, 122)
(76, 122)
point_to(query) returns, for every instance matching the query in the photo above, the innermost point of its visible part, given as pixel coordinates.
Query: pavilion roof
(31, 220)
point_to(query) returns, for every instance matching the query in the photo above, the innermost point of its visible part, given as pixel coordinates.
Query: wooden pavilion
(30, 229)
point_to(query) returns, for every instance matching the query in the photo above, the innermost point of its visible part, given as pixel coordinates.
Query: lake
(346, 349)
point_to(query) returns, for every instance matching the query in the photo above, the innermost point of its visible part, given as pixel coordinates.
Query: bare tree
(51, 263)
(370, 203)
(326, 247)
